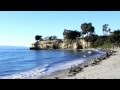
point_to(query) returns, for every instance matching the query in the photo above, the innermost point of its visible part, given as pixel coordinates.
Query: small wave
(89, 52)
(84, 55)
(47, 69)
(31, 74)
(66, 65)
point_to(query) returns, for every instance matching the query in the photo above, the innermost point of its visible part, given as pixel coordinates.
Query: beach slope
(106, 69)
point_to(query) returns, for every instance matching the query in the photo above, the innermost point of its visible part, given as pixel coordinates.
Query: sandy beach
(106, 69)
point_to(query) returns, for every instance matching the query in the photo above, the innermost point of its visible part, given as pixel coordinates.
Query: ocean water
(15, 61)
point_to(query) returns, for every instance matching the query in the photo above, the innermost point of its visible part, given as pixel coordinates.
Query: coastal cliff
(60, 44)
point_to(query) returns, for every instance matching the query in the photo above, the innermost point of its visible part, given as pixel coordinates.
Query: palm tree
(105, 31)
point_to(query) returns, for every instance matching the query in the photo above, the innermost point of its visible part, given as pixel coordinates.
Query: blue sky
(18, 28)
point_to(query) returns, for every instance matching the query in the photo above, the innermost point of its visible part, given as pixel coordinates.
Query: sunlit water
(18, 59)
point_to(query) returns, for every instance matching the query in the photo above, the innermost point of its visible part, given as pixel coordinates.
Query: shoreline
(70, 72)
(66, 73)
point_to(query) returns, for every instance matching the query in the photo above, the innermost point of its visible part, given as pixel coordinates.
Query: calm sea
(14, 60)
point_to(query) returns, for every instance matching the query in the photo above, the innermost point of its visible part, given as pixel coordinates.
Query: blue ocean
(15, 60)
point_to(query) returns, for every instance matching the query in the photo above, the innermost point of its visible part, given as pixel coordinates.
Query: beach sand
(106, 69)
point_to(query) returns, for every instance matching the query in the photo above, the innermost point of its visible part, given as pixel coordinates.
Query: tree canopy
(69, 34)
(108, 38)
(115, 37)
(51, 37)
(87, 28)
(38, 37)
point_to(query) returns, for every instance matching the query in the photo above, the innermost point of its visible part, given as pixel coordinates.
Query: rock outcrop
(84, 44)
(61, 44)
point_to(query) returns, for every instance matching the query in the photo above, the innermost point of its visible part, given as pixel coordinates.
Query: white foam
(84, 55)
(66, 65)
(89, 52)
(31, 74)
(36, 72)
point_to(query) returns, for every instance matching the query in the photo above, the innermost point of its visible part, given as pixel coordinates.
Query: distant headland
(74, 39)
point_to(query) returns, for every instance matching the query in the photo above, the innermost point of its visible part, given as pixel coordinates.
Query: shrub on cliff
(92, 39)
(50, 38)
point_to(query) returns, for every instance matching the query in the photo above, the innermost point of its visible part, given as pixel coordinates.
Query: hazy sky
(18, 28)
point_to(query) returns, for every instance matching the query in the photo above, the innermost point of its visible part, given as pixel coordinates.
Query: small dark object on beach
(75, 69)
(56, 77)
(72, 74)
(85, 65)
(78, 69)
(72, 69)
(98, 60)
(94, 63)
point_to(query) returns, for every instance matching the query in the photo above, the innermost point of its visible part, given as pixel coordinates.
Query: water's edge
(37, 72)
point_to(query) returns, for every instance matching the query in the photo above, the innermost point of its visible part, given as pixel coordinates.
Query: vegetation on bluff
(71, 35)
(107, 40)
(50, 38)
(38, 38)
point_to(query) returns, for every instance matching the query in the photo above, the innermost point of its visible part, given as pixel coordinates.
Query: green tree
(38, 38)
(54, 37)
(115, 37)
(88, 29)
(50, 38)
(92, 38)
(46, 38)
(65, 33)
(69, 34)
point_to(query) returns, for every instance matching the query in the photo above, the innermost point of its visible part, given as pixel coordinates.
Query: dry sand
(107, 69)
